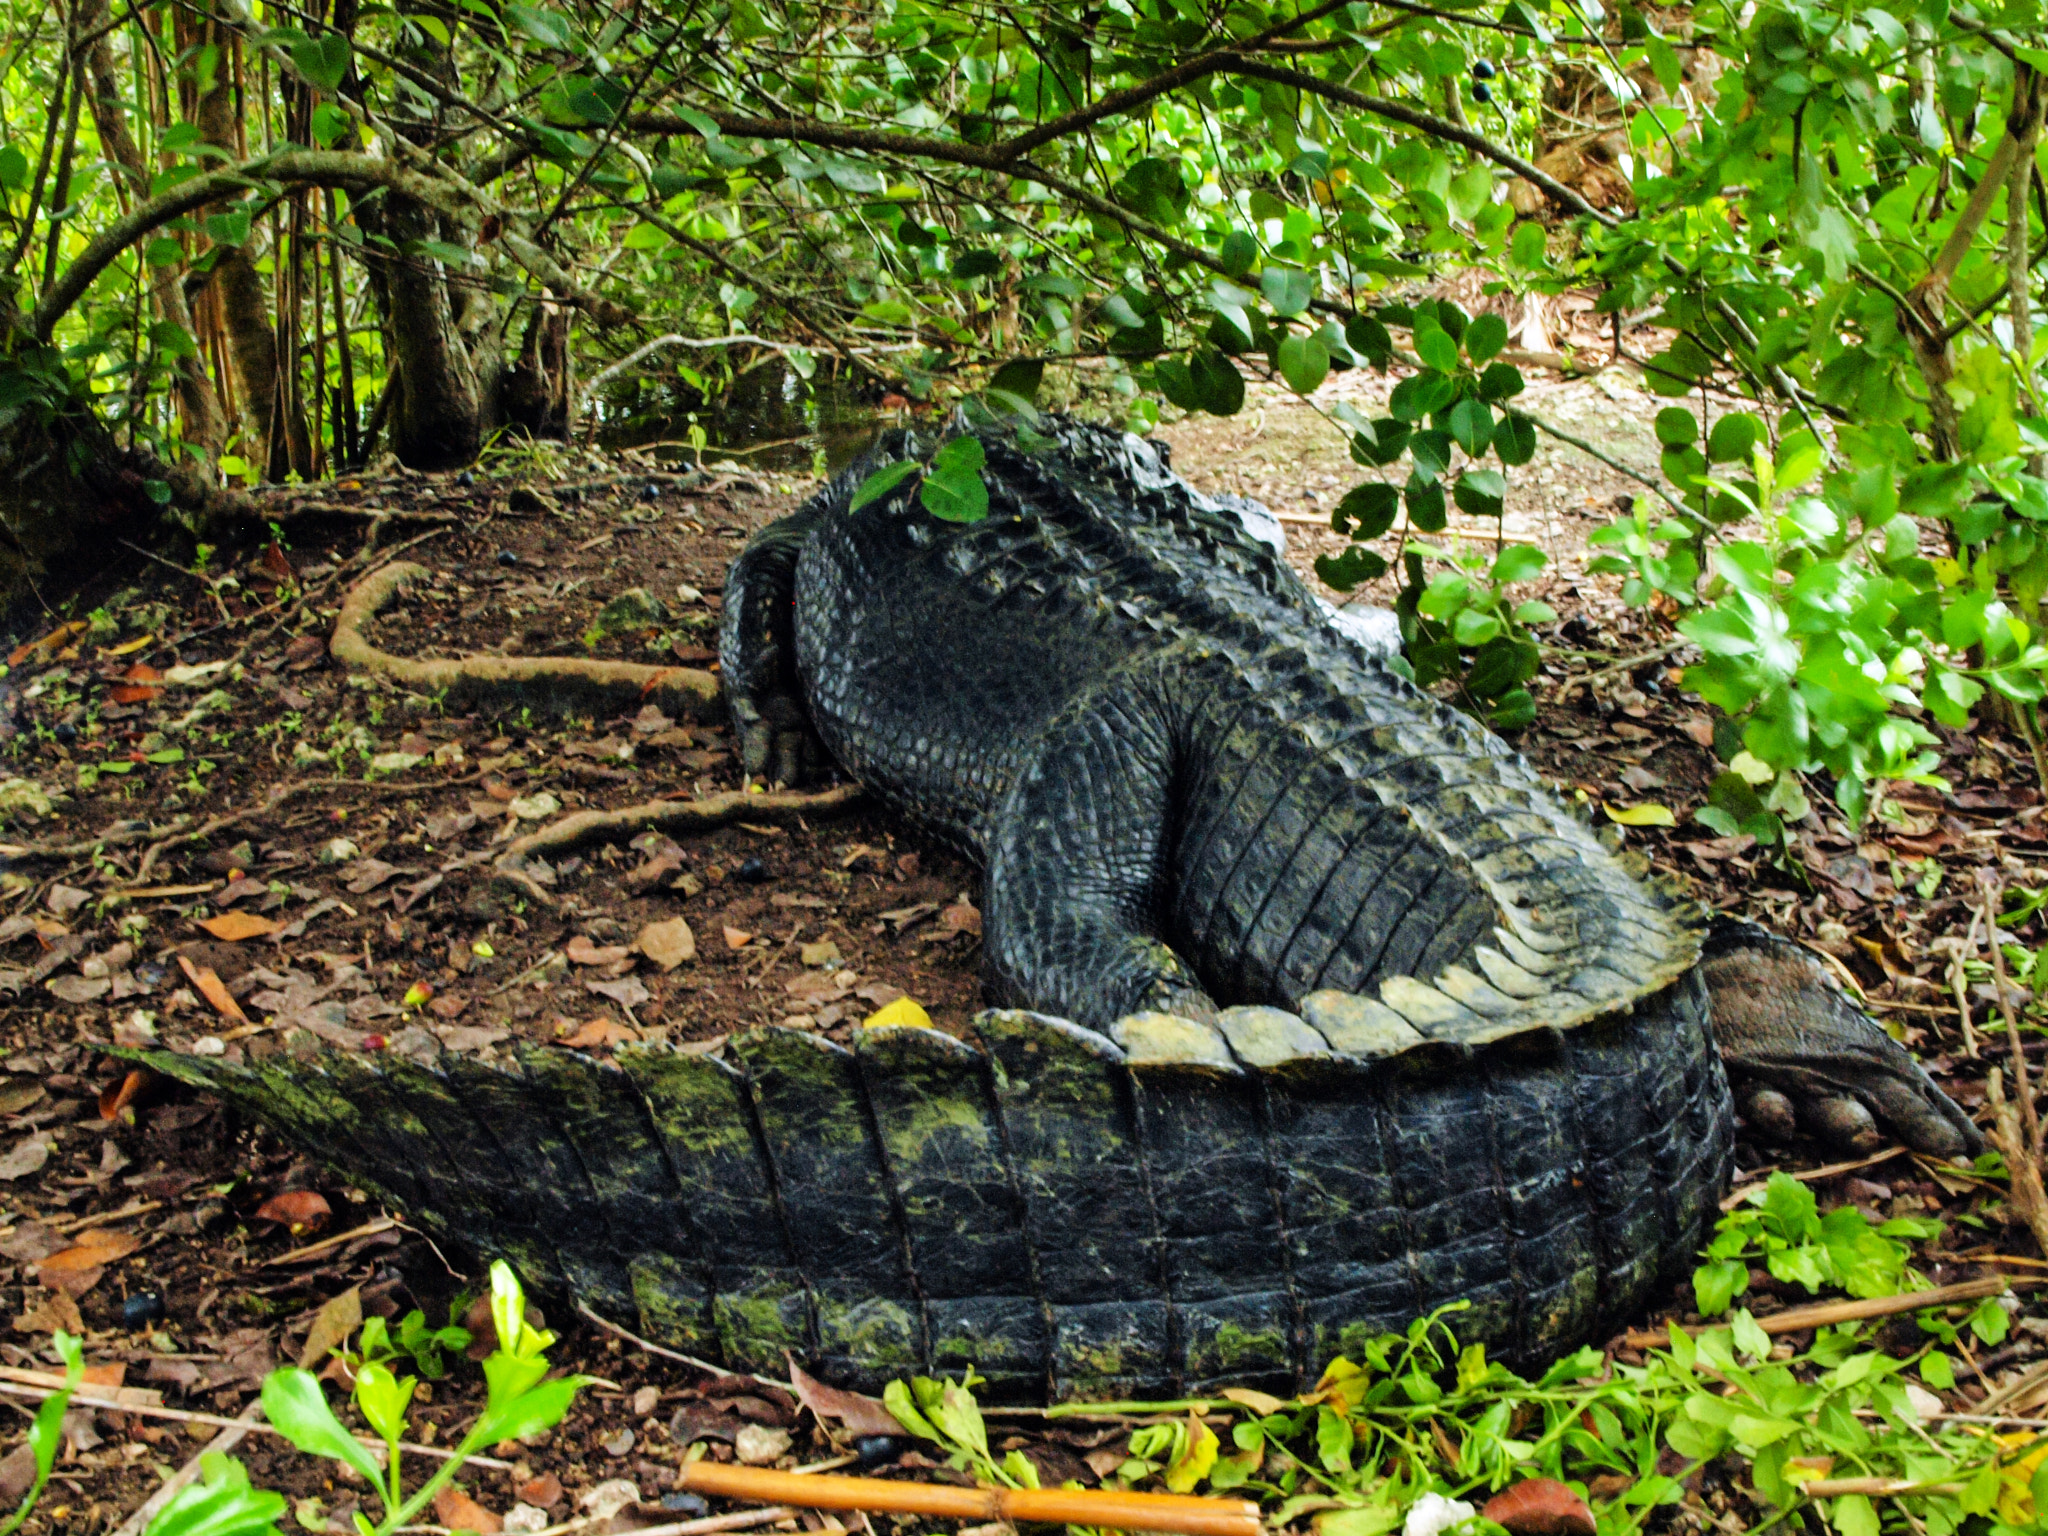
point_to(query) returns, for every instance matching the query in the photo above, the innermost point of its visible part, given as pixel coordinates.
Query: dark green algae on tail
(1072, 1214)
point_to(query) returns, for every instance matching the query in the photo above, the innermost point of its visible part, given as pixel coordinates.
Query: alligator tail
(1071, 1216)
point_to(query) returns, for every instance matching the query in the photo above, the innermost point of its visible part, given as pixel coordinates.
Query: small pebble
(684, 1504)
(752, 871)
(650, 492)
(142, 1309)
(877, 1450)
(466, 478)
(506, 557)
(65, 732)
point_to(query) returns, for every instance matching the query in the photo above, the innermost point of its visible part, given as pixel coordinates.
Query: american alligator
(1316, 1010)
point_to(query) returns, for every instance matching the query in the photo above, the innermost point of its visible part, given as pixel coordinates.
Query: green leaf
(897, 1399)
(1514, 711)
(294, 1402)
(1676, 427)
(1367, 510)
(13, 169)
(1287, 289)
(1369, 339)
(322, 60)
(1425, 504)
(882, 482)
(1334, 1439)
(1517, 562)
(544, 27)
(1021, 376)
(1237, 253)
(1529, 249)
(1471, 423)
(1514, 440)
(954, 491)
(1217, 385)
(383, 1399)
(1484, 338)
(1436, 349)
(221, 1503)
(1481, 492)
(1733, 437)
(1304, 362)
(538, 1408)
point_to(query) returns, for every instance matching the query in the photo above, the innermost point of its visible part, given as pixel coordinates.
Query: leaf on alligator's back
(233, 927)
(860, 1415)
(902, 1013)
(332, 1324)
(1649, 814)
(1540, 1506)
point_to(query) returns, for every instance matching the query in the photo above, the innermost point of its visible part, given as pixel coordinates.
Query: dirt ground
(352, 834)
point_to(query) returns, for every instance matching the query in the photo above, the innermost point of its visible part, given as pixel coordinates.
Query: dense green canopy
(246, 244)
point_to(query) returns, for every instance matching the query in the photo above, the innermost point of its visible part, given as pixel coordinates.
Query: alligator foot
(1800, 1055)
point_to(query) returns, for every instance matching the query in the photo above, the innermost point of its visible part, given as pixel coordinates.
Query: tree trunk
(537, 388)
(275, 430)
(199, 406)
(436, 416)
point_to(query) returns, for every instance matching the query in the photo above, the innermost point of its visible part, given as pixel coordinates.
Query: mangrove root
(560, 685)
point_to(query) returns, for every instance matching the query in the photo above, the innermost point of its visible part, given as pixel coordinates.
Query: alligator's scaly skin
(1339, 1015)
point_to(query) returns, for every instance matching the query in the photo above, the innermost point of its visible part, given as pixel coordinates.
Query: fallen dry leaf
(543, 1492)
(213, 989)
(118, 1096)
(233, 927)
(28, 1155)
(334, 1322)
(55, 1311)
(627, 991)
(19, 1093)
(1540, 1506)
(736, 938)
(668, 944)
(581, 951)
(459, 1512)
(861, 1415)
(302, 1210)
(599, 1032)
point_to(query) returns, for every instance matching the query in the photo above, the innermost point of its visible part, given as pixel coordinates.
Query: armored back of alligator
(1340, 1016)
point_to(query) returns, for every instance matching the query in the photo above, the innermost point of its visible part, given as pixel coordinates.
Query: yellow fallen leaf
(130, 647)
(903, 1013)
(1651, 815)
(1262, 1403)
(233, 927)
(1196, 1460)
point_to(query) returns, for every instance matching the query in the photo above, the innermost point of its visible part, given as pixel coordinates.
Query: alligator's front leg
(1799, 1053)
(757, 655)
(1078, 869)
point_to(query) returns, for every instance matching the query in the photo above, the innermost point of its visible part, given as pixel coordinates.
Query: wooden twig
(1875, 1487)
(314, 1250)
(2015, 1127)
(1826, 1313)
(1108, 1508)
(191, 1416)
(230, 1436)
(669, 1354)
(1736, 1196)
(80, 1223)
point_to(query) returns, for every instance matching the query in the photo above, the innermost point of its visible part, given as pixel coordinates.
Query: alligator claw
(1798, 1051)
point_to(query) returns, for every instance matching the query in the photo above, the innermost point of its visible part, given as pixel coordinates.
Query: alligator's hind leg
(1799, 1052)
(1078, 869)
(757, 654)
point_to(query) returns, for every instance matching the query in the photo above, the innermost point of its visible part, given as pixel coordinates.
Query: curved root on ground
(585, 827)
(559, 685)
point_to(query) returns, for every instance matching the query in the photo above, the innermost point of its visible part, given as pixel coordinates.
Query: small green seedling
(46, 1433)
(520, 1401)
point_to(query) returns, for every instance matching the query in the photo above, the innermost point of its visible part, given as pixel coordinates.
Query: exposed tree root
(558, 685)
(584, 827)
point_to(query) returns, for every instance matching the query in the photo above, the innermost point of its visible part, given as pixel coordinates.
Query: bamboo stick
(1185, 1514)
